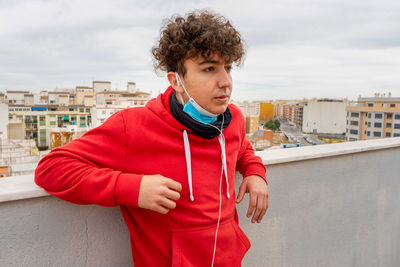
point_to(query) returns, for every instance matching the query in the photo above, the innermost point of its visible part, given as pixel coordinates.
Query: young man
(171, 165)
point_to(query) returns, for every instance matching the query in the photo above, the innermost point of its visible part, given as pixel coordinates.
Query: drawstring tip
(228, 195)
(191, 198)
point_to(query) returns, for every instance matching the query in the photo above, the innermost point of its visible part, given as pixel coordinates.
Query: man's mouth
(222, 98)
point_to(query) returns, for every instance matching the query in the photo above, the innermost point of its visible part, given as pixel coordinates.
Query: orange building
(266, 111)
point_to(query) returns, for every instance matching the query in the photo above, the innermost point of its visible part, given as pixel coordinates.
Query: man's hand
(158, 193)
(258, 190)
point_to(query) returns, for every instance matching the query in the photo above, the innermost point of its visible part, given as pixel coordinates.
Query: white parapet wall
(330, 205)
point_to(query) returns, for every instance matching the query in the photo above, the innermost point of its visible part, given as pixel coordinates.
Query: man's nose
(224, 79)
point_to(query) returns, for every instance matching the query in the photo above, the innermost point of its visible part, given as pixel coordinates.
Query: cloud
(296, 49)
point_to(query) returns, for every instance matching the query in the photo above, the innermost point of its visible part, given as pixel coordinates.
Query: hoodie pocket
(194, 247)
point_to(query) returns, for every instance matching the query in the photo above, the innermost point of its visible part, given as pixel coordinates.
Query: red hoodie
(105, 167)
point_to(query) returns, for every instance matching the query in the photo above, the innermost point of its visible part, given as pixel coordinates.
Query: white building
(101, 86)
(325, 116)
(248, 108)
(17, 97)
(3, 119)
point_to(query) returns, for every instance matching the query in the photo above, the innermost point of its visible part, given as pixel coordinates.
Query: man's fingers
(167, 203)
(174, 185)
(264, 210)
(259, 208)
(171, 194)
(252, 205)
(242, 190)
(161, 209)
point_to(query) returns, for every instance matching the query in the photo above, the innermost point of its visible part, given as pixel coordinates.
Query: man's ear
(174, 82)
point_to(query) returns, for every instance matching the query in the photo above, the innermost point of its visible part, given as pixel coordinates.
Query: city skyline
(295, 50)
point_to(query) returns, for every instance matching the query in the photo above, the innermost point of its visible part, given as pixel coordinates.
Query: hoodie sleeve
(88, 169)
(248, 163)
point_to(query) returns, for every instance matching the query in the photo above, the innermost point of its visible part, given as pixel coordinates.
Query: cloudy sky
(295, 49)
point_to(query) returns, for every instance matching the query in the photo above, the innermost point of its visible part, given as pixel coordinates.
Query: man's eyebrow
(212, 62)
(208, 62)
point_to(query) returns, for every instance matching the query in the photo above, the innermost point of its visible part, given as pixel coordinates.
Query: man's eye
(209, 69)
(228, 68)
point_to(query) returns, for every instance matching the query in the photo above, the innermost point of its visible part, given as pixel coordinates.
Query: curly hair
(201, 33)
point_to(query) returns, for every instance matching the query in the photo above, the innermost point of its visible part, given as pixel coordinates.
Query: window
(369, 124)
(354, 123)
(378, 115)
(368, 133)
(88, 110)
(81, 110)
(397, 117)
(377, 134)
(353, 114)
(388, 125)
(397, 126)
(369, 115)
(389, 115)
(387, 134)
(396, 135)
(392, 105)
(378, 125)
(384, 105)
(353, 131)
(370, 104)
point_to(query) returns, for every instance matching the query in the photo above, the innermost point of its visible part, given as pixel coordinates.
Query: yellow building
(252, 124)
(373, 117)
(266, 111)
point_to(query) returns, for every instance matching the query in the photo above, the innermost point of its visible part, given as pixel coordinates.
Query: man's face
(208, 82)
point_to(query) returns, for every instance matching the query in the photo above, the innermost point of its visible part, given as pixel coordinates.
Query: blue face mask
(193, 109)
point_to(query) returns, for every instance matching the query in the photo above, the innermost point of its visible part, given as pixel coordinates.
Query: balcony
(330, 205)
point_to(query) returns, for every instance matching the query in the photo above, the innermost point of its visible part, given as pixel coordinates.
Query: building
(3, 119)
(266, 111)
(64, 111)
(325, 116)
(17, 97)
(38, 124)
(373, 117)
(291, 110)
(252, 122)
(251, 112)
(101, 86)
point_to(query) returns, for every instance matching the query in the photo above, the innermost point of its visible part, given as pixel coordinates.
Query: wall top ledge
(23, 187)
(276, 156)
(19, 187)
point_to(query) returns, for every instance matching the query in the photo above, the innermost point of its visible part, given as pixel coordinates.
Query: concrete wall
(330, 205)
(334, 211)
(49, 232)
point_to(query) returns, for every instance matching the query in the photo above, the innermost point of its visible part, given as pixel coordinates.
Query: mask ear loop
(179, 83)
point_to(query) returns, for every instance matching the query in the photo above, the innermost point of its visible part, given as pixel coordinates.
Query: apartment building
(38, 124)
(266, 111)
(251, 112)
(65, 110)
(325, 116)
(291, 110)
(18, 97)
(373, 117)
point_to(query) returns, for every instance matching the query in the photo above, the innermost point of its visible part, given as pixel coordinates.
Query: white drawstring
(221, 139)
(224, 170)
(188, 162)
